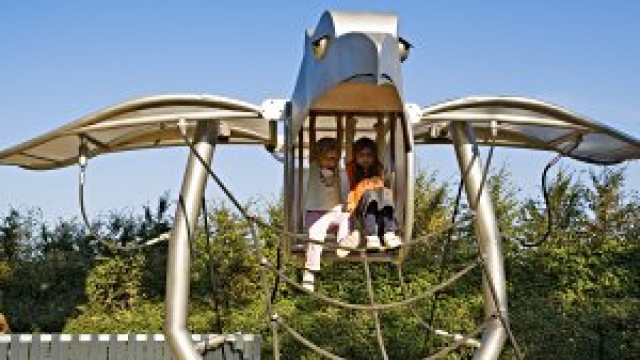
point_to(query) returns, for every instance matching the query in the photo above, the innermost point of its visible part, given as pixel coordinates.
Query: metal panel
(65, 342)
(35, 348)
(166, 350)
(24, 340)
(55, 347)
(5, 341)
(45, 346)
(130, 347)
(75, 350)
(528, 123)
(121, 350)
(140, 343)
(98, 349)
(113, 347)
(148, 122)
(158, 347)
(14, 347)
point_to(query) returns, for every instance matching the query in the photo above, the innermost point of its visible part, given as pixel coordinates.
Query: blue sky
(61, 60)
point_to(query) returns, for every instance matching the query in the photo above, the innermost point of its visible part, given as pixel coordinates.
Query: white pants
(318, 223)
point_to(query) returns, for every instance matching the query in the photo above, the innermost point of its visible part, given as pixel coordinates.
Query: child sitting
(323, 204)
(369, 202)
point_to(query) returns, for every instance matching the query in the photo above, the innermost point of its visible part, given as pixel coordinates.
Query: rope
(445, 252)
(329, 355)
(456, 337)
(503, 321)
(373, 307)
(426, 239)
(545, 194)
(212, 274)
(457, 343)
(376, 307)
(372, 301)
(494, 295)
(252, 230)
(98, 237)
(301, 339)
(446, 246)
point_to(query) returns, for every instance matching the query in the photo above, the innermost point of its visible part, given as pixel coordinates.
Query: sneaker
(373, 242)
(391, 240)
(308, 280)
(351, 241)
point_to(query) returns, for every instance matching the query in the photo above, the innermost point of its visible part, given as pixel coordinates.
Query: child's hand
(327, 176)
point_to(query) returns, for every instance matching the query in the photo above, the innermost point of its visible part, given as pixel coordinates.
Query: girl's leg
(317, 232)
(367, 213)
(370, 220)
(389, 226)
(388, 221)
(346, 239)
(371, 226)
(342, 221)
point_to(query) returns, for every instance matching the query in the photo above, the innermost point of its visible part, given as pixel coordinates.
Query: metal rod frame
(489, 242)
(179, 257)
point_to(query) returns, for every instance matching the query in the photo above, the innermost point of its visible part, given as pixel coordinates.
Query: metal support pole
(178, 262)
(468, 155)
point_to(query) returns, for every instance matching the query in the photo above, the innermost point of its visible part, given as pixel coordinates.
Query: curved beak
(358, 71)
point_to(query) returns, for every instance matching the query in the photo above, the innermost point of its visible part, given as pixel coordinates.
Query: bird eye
(320, 47)
(403, 48)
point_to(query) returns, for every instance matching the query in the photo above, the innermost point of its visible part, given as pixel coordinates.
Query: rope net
(372, 307)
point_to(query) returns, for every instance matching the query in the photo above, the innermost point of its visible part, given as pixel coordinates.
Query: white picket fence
(122, 347)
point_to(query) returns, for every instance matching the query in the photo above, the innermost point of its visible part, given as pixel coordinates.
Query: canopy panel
(527, 123)
(149, 122)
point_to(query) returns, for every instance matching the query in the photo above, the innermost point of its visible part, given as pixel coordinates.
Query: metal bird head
(351, 62)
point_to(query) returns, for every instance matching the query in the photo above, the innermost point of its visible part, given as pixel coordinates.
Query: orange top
(356, 190)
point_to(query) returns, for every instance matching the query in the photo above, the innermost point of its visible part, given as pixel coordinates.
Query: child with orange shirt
(369, 202)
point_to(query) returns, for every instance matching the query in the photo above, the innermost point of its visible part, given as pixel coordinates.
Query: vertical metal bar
(178, 262)
(299, 182)
(288, 205)
(489, 240)
(408, 177)
(340, 133)
(350, 134)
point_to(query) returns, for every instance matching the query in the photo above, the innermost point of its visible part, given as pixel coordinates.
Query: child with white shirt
(323, 204)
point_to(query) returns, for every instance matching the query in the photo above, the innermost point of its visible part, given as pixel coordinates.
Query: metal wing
(148, 122)
(527, 123)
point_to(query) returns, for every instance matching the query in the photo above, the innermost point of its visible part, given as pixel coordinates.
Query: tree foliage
(576, 295)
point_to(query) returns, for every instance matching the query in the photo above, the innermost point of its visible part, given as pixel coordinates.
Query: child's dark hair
(376, 168)
(323, 146)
